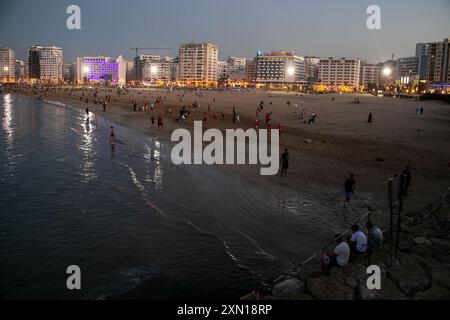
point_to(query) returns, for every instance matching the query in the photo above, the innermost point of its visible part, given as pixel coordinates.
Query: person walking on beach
(370, 118)
(349, 187)
(152, 120)
(284, 163)
(160, 122)
(104, 106)
(408, 178)
(421, 111)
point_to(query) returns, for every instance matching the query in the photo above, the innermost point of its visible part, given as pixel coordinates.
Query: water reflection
(88, 153)
(154, 169)
(9, 131)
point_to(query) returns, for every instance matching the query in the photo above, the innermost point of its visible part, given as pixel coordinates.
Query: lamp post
(290, 72)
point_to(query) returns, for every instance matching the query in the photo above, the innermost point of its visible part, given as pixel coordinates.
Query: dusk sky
(240, 27)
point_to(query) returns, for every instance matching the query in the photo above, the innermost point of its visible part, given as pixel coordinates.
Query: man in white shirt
(339, 257)
(358, 240)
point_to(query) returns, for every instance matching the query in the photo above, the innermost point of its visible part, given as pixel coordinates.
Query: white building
(21, 69)
(223, 70)
(7, 64)
(101, 69)
(198, 62)
(50, 63)
(312, 69)
(339, 72)
(280, 67)
(164, 70)
(369, 74)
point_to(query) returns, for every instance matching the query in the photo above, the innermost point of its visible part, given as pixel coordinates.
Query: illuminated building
(7, 64)
(198, 63)
(335, 73)
(101, 69)
(280, 67)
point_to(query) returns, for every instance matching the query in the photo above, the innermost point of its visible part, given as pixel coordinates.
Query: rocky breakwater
(420, 272)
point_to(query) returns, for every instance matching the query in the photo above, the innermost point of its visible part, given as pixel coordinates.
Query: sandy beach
(322, 154)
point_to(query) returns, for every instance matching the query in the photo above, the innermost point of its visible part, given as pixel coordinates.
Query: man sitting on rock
(358, 241)
(339, 257)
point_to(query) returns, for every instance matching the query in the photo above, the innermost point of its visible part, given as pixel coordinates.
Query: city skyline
(299, 31)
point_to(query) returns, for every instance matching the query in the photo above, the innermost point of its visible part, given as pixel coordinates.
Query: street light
(6, 68)
(86, 69)
(290, 72)
(387, 71)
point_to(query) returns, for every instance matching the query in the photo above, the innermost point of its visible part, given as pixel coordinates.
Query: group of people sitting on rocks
(357, 244)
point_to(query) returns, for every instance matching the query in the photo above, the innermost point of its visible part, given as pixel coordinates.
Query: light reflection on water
(87, 165)
(8, 131)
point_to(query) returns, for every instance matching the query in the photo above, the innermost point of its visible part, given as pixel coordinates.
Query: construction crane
(137, 49)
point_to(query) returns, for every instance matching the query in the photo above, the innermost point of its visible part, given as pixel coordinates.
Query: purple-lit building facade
(102, 69)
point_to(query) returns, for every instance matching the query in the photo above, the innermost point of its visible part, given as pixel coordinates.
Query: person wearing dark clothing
(284, 162)
(349, 187)
(370, 118)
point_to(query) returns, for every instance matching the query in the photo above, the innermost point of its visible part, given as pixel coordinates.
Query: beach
(322, 154)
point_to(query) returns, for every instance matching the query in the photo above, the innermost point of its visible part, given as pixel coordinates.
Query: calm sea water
(138, 226)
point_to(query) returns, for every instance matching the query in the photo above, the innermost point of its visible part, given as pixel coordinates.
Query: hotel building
(100, 68)
(407, 69)
(336, 73)
(139, 63)
(280, 67)
(434, 61)
(7, 64)
(45, 63)
(198, 62)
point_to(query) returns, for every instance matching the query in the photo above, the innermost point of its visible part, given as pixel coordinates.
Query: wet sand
(342, 140)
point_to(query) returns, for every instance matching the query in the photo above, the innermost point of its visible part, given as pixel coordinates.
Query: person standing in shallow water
(284, 163)
(349, 187)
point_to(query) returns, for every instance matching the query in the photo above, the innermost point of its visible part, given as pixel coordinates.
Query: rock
(409, 276)
(440, 276)
(388, 291)
(352, 283)
(441, 243)
(422, 230)
(289, 289)
(435, 293)
(309, 141)
(422, 240)
(329, 288)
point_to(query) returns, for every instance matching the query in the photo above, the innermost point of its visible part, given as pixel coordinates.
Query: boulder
(435, 293)
(409, 276)
(422, 240)
(440, 276)
(289, 289)
(441, 243)
(388, 291)
(329, 288)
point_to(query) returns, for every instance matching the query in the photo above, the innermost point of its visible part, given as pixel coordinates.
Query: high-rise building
(407, 69)
(312, 69)
(45, 63)
(369, 74)
(21, 69)
(7, 64)
(198, 62)
(51, 63)
(131, 74)
(140, 61)
(280, 67)
(339, 72)
(101, 69)
(67, 72)
(223, 70)
(434, 61)
(163, 70)
(250, 70)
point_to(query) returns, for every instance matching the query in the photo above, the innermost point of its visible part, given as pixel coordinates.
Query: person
(375, 236)
(349, 186)
(112, 136)
(421, 111)
(358, 241)
(339, 257)
(104, 105)
(152, 120)
(284, 162)
(160, 122)
(370, 118)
